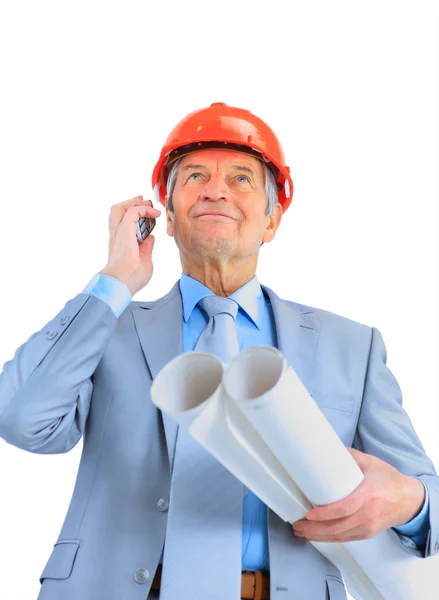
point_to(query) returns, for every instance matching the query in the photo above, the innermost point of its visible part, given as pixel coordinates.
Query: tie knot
(214, 305)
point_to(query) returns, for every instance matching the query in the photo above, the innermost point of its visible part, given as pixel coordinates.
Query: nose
(215, 188)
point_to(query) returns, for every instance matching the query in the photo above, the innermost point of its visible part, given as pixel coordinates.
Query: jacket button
(64, 320)
(163, 504)
(51, 334)
(141, 575)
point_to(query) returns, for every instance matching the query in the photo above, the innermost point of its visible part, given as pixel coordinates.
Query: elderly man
(223, 179)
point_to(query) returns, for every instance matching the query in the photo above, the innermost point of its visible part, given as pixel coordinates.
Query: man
(223, 179)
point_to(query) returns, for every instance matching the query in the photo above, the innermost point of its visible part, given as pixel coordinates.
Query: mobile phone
(144, 227)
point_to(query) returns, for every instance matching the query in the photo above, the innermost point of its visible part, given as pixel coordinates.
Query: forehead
(211, 156)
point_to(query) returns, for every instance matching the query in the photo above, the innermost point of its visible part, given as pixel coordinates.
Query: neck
(223, 280)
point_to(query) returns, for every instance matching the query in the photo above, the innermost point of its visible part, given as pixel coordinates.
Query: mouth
(216, 216)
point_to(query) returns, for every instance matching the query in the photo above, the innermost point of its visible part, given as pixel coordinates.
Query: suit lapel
(297, 335)
(293, 558)
(160, 330)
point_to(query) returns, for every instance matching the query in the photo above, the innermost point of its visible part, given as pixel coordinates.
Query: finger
(343, 508)
(130, 218)
(149, 211)
(333, 527)
(118, 210)
(135, 211)
(133, 214)
(360, 532)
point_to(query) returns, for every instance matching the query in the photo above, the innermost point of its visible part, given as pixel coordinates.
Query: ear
(273, 223)
(169, 220)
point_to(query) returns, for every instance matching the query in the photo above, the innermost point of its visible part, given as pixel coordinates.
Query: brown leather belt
(255, 585)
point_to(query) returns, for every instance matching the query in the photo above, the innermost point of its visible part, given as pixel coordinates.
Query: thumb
(361, 458)
(145, 248)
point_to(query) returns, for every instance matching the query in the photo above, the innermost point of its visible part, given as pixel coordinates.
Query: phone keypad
(146, 226)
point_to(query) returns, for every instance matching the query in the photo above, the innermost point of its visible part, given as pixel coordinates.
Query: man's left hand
(385, 498)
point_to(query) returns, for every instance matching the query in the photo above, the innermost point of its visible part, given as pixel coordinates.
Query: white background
(90, 90)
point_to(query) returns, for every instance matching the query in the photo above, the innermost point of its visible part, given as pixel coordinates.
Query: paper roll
(274, 400)
(257, 418)
(189, 390)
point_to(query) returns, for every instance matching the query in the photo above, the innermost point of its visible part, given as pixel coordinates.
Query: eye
(194, 174)
(245, 176)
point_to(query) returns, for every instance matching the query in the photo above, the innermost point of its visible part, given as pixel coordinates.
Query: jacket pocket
(335, 589)
(335, 401)
(61, 561)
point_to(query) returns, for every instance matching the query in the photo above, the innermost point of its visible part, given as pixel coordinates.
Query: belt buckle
(257, 584)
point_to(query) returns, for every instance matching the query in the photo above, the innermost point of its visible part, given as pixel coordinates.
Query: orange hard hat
(222, 126)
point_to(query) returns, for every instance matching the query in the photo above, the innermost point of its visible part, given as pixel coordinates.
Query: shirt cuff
(113, 292)
(418, 527)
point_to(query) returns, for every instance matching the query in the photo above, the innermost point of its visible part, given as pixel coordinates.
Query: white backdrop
(90, 92)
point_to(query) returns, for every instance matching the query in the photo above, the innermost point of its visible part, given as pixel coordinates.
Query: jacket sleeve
(417, 528)
(112, 291)
(45, 389)
(385, 430)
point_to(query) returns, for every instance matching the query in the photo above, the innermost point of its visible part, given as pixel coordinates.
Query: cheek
(252, 205)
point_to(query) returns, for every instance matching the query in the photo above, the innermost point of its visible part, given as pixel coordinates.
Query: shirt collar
(249, 297)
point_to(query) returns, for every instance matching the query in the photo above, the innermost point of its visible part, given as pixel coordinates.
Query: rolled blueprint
(257, 418)
(274, 400)
(189, 390)
(270, 396)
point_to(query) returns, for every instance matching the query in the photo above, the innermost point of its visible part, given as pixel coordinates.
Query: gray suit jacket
(87, 373)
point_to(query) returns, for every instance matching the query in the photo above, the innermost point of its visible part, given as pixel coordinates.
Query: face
(219, 206)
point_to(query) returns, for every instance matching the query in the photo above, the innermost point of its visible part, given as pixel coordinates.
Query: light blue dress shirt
(255, 326)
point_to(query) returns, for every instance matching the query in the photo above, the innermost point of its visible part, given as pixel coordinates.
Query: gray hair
(269, 181)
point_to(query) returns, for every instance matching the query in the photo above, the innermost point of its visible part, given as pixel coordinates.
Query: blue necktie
(202, 557)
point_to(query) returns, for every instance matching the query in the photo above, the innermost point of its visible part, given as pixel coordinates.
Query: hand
(385, 498)
(129, 261)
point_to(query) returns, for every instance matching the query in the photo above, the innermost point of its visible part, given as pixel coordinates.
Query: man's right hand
(129, 261)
